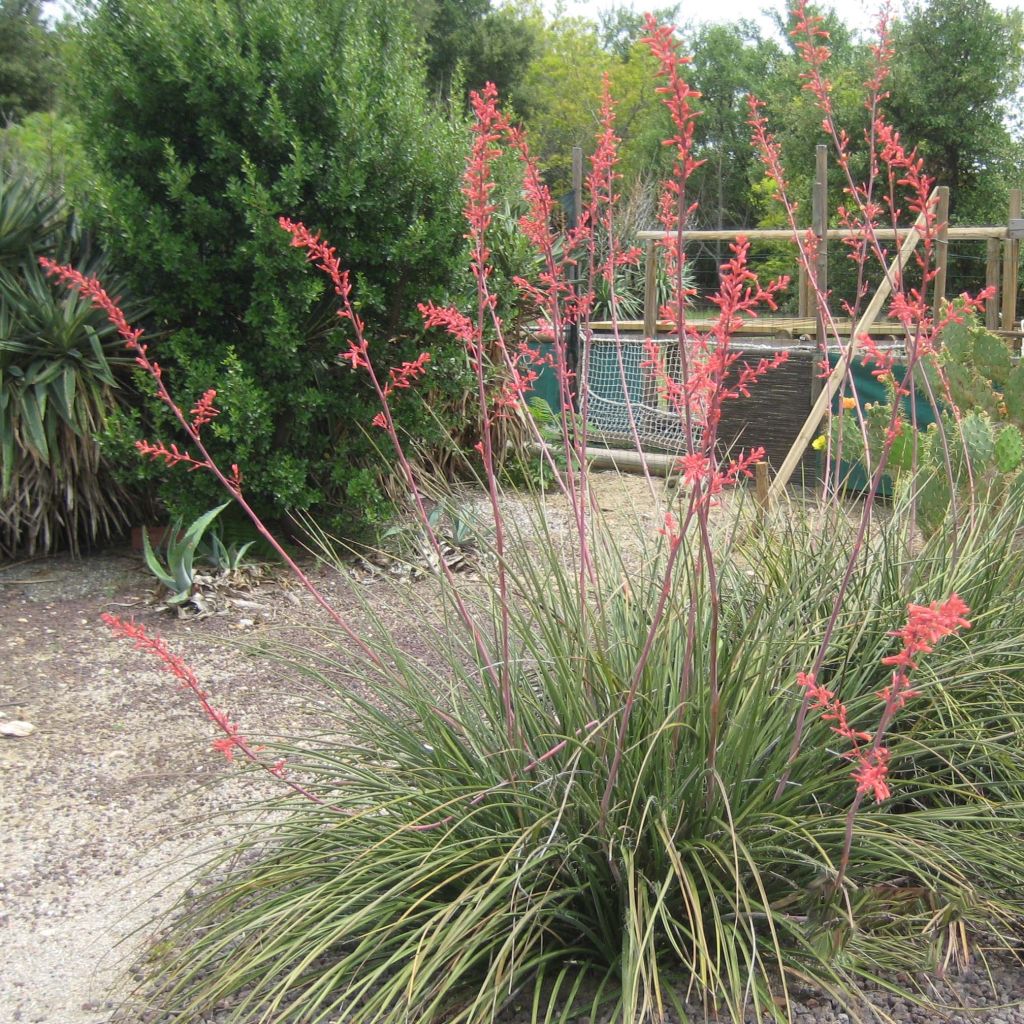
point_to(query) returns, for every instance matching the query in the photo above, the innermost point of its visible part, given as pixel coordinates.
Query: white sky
(855, 14)
(858, 15)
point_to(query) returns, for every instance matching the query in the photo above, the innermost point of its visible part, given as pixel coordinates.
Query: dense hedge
(206, 120)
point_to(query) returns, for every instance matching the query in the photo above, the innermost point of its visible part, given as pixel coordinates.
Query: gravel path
(96, 802)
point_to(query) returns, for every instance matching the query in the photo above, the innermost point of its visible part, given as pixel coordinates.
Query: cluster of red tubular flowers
(673, 209)
(811, 41)
(670, 529)
(512, 390)
(478, 186)
(403, 376)
(172, 456)
(325, 258)
(203, 411)
(232, 740)
(449, 319)
(601, 189)
(833, 710)
(872, 764)
(926, 626)
(319, 253)
(95, 293)
(677, 96)
(400, 377)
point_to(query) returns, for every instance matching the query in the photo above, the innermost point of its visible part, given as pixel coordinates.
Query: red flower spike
(871, 774)
(203, 411)
(94, 291)
(171, 456)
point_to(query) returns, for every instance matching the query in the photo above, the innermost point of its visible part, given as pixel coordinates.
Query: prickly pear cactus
(1013, 395)
(979, 439)
(933, 500)
(956, 341)
(991, 357)
(1008, 450)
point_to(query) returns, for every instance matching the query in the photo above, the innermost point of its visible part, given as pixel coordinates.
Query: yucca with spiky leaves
(59, 365)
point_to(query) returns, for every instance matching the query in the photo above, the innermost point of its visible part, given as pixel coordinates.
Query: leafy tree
(449, 29)
(959, 64)
(559, 97)
(508, 39)
(206, 120)
(620, 27)
(730, 61)
(28, 64)
(471, 42)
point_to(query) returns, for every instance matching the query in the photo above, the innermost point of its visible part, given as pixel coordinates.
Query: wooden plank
(992, 254)
(1011, 265)
(957, 233)
(941, 250)
(760, 327)
(1015, 229)
(838, 375)
(761, 485)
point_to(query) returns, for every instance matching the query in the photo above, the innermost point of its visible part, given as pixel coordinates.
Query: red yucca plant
(602, 786)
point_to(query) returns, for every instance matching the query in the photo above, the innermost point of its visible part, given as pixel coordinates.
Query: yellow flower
(849, 403)
(819, 442)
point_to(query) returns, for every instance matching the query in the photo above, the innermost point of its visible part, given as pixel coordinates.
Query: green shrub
(207, 120)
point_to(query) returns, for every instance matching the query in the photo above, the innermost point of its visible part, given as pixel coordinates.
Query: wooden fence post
(761, 490)
(651, 289)
(992, 253)
(1011, 264)
(941, 249)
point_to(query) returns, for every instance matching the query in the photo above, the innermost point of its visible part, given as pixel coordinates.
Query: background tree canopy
(29, 68)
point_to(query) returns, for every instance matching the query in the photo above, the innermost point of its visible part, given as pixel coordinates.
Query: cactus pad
(978, 437)
(1008, 449)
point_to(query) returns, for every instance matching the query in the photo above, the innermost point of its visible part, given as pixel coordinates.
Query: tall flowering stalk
(231, 740)
(710, 374)
(563, 299)
(926, 625)
(897, 184)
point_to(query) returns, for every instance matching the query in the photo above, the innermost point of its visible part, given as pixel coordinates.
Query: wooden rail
(954, 233)
(783, 327)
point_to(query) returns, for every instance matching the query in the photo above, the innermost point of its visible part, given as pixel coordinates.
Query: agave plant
(178, 572)
(58, 363)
